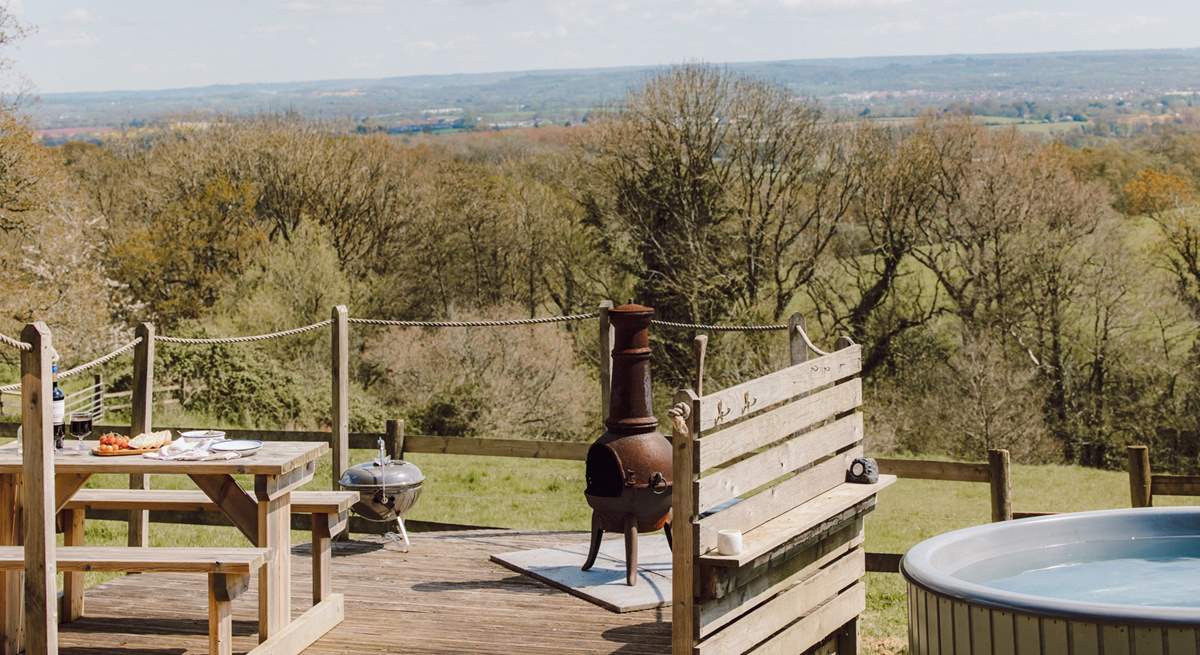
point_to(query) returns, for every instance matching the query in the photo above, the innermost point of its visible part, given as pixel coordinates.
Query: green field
(548, 495)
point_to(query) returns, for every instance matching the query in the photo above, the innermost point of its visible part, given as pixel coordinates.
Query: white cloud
(1030, 16)
(75, 39)
(528, 36)
(840, 5)
(889, 28)
(453, 43)
(276, 28)
(339, 7)
(79, 15)
(15, 7)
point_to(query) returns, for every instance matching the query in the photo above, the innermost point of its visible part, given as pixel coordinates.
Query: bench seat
(237, 561)
(228, 571)
(329, 511)
(185, 500)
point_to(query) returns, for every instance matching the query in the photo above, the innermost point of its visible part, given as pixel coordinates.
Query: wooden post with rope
(605, 355)
(37, 490)
(142, 413)
(340, 411)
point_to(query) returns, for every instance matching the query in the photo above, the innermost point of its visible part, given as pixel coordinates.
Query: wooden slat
(779, 386)
(1181, 641)
(756, 510)
(720, 609)
(945, 609)
(1148, 641)
(783, 609)
(754, 472)
(119, 558)
(73, 582)
(962, 627)
(275, 458)
(568, 450)
(981, 630)
(1085, 638)
(1029, 635)
(923, 469)
(274, 577)
(1054, 636)
(884, 562)
(818, 625)
(1003, 632)
(766, 428)
(786, 527)
(1175, 485)
(306, 628)
(1115, 639)
(303, 502)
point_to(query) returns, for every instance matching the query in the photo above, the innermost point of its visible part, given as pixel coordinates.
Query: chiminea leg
(594, 549)
(631, 550)
(667, 531)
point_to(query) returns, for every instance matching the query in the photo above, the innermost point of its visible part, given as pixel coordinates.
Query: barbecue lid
(386, 473)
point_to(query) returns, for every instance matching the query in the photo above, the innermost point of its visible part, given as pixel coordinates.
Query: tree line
(1009, 290)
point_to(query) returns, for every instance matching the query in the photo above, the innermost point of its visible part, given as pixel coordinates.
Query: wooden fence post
(605, 353)
(796, 345)
(394, 440)
(1140, 491)
(1001, 484)
(699, 351)
(685, 526)
(340, 413)
(142, 413)
(37, 489)
(97, 408)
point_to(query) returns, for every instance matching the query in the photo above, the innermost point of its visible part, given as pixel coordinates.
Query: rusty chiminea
(629, 467)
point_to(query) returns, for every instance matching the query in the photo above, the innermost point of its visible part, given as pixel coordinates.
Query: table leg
(12, 598)
(275, 577)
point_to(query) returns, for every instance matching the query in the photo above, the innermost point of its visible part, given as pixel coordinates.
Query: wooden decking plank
(442, 597)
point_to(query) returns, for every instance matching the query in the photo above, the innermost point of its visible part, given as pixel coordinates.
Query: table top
(275, 458)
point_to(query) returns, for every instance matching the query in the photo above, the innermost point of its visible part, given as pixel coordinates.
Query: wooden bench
(329, 511)
(228, 572)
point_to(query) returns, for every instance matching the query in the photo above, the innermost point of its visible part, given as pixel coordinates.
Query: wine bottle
(58, 410)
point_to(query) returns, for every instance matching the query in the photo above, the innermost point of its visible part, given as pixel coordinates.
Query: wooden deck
(442, 597)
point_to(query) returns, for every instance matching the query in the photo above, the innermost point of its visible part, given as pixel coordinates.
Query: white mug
(729, 542)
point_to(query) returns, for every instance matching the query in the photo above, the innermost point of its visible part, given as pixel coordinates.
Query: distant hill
(882, 85)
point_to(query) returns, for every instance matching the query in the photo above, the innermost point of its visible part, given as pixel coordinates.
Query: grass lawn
(534, 494)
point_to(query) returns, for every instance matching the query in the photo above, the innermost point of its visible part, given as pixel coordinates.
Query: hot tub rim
(918, 570)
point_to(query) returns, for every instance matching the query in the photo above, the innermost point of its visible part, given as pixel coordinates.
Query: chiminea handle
(658, 483)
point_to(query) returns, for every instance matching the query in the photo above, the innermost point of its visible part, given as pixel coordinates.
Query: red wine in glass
(81, 426)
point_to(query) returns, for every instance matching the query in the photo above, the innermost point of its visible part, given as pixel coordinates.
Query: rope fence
(15, 343)
(470, 324)
(100, 361)
(720, 328)
(246, 339)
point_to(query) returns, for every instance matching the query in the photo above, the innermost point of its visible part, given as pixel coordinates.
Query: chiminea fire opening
(628, 468)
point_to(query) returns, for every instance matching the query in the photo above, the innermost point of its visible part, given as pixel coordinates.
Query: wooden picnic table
(262, 513)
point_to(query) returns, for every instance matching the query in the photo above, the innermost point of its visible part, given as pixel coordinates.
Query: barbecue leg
(631, 536)
(594, 548)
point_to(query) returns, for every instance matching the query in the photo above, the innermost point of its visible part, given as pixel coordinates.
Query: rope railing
(15, 343)
(720, 328)
(468, 324)
(100, 361)
(245, 339)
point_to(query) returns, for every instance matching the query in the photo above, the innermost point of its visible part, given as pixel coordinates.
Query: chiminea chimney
(629, 467)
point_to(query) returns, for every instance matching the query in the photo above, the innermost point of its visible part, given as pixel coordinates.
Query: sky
(82, 45)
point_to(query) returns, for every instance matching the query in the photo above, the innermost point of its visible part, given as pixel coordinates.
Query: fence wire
(246, 339)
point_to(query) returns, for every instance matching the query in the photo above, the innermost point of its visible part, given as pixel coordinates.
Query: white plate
(242, 447)
(202, 435)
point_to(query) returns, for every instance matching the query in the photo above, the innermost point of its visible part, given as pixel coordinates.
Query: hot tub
(1095, 583)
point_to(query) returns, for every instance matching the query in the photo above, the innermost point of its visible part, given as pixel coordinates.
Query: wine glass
(81, 426)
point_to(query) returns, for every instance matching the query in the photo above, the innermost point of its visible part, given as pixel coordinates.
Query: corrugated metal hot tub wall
(629, 467)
